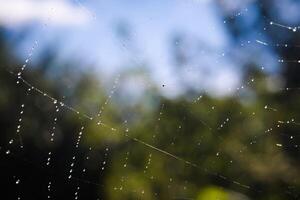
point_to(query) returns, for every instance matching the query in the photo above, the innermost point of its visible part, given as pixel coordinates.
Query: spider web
(166, 163)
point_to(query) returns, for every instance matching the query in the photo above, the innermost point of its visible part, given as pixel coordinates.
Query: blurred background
(127, 99)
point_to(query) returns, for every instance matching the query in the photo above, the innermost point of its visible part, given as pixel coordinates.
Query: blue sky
(85, 32)
(152, 25)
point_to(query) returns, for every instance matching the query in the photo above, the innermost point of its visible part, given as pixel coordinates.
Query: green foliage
(212, 193)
